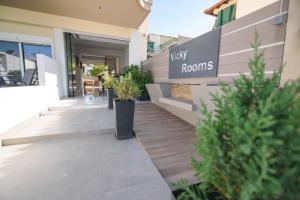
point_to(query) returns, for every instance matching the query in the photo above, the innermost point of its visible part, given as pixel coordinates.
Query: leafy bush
(99, 70)
(140, 77)
(108, 81)
(250, 143)
(125, 88)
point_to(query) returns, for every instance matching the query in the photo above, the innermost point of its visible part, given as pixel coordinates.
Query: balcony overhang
(125, 13)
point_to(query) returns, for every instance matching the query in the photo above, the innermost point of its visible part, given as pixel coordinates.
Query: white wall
(138, 44)
(143, 32)
(49, 72)
(135, 48)
(291, 55)
(244, 7)
(20, 103)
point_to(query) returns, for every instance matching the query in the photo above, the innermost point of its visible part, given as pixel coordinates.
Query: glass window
(150, 47)
(225, 16)
(17, 72)
(30, 51)
(10, 64)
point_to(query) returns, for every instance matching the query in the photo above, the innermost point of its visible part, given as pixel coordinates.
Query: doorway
(94, 85)
(83, 53)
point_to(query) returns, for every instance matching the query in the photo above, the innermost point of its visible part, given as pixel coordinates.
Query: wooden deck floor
(168, 141)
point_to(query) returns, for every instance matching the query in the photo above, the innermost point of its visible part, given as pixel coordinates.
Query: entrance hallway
(86, 57)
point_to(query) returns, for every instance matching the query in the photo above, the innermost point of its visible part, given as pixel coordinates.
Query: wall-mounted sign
(196, 58)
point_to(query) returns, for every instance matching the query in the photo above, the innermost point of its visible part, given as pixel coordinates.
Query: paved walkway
(88, 101)
(85, 165)
(63, 122)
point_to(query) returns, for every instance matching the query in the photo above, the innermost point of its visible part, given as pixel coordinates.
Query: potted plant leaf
(98, 71)
(125, 89)
(141, 78)
(146, 78)
(108, 85)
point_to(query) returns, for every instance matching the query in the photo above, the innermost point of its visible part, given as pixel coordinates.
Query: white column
(135, 48)
(60, 55)
(138, 44)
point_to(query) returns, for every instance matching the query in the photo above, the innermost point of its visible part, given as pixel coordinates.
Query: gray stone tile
(62, 122)
(93, 167)
(149, 190)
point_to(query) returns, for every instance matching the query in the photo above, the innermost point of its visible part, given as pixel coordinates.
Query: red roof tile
(210, 10)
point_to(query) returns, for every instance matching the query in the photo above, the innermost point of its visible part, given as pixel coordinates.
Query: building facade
(44, 44)
(189, 72)
(157, 44)
(292, 40)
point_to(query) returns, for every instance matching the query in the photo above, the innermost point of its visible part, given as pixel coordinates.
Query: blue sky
(183, 17)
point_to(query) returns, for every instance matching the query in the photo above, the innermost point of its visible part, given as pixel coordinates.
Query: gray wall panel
(254, 17)
(234, 54)
(268, 34)
(269, 53)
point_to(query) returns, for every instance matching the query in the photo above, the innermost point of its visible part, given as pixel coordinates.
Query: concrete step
(40, 138)
(74, 107)
(54, 112)
(59, 108)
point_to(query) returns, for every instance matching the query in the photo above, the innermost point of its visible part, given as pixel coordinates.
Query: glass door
(71, 64)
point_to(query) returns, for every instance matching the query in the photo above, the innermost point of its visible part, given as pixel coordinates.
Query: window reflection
(17, 72)
(30, 51)
(10, 64)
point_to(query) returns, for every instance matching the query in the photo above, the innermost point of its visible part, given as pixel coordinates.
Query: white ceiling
(127, 13)
(98, 42)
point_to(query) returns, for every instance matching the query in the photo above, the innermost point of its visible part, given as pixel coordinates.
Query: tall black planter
(124, 116)
(111, 95)
(144, 95)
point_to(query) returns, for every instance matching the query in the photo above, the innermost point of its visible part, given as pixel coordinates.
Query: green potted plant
(125, 89)
(250, 142)
(99, 70)
(141, 78)
(146, 78)
(108, 85)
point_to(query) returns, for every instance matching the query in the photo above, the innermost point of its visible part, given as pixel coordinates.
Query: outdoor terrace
(73, 144)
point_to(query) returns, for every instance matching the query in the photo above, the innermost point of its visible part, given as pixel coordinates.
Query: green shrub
(140, 77)
(125, 88)
(108, 81)
(250, 143)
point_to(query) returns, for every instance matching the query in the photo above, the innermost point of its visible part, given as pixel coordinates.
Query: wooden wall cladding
(181, 91)
(235, 48)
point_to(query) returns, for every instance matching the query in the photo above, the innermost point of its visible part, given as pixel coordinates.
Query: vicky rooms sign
(195, 58)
